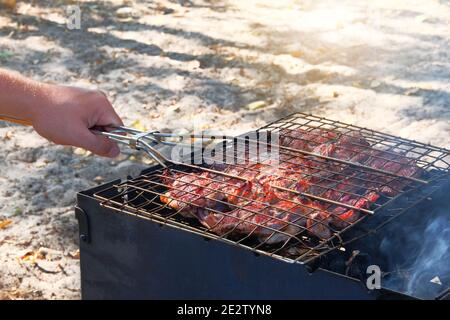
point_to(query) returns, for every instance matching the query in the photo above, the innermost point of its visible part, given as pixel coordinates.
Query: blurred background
(175, 65)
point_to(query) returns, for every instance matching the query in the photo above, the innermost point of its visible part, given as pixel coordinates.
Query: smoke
(418, 254)
(432, 264)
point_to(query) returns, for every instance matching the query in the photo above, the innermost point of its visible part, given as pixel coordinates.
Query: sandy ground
(176, 65)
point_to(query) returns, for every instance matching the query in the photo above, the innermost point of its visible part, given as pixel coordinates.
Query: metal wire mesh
(329, 178)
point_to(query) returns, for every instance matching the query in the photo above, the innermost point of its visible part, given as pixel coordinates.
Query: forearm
(20, 97)
(61, 114)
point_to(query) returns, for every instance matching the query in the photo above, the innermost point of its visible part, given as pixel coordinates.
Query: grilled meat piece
(305, 140)
(197, 196)
(353, 147)
(270, 224)
(190, 191)
(318, 224)
(342, 217)
(350, 147)
(393, 163)
(239, 191)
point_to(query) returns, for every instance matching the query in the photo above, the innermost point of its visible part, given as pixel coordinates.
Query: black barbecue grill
(124, 205)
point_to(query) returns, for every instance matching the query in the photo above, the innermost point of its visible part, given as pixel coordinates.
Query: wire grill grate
(329, 178)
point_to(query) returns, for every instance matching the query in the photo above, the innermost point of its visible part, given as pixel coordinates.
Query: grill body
(130, 248)
(124, 256)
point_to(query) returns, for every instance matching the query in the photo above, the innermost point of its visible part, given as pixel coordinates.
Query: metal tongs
(139, 140)
(147, 140)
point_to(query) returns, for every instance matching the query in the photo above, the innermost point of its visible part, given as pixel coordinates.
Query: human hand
(66, 114)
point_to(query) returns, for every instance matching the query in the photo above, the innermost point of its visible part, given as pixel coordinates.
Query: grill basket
(294, 228)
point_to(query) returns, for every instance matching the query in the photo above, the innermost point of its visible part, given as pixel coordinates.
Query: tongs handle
(15, 120)
(135, 139)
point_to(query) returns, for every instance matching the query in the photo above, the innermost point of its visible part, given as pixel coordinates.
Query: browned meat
(251, 200)
(350, 147)
(393, 163)
(305, 140)
(190, 191)
(342, 217)
(353, 147)
(270, 224)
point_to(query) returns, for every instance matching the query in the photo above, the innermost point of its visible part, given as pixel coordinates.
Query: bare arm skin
(61, 114)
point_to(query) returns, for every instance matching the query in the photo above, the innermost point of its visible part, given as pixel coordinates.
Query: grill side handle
(83, 224)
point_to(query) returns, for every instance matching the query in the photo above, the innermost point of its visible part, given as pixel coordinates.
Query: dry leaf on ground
(31, 256)
(75, 254)
(297, 53)
(8, 135)
(10, 4)
(256, 105)
(5, 223)
(138, 125)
